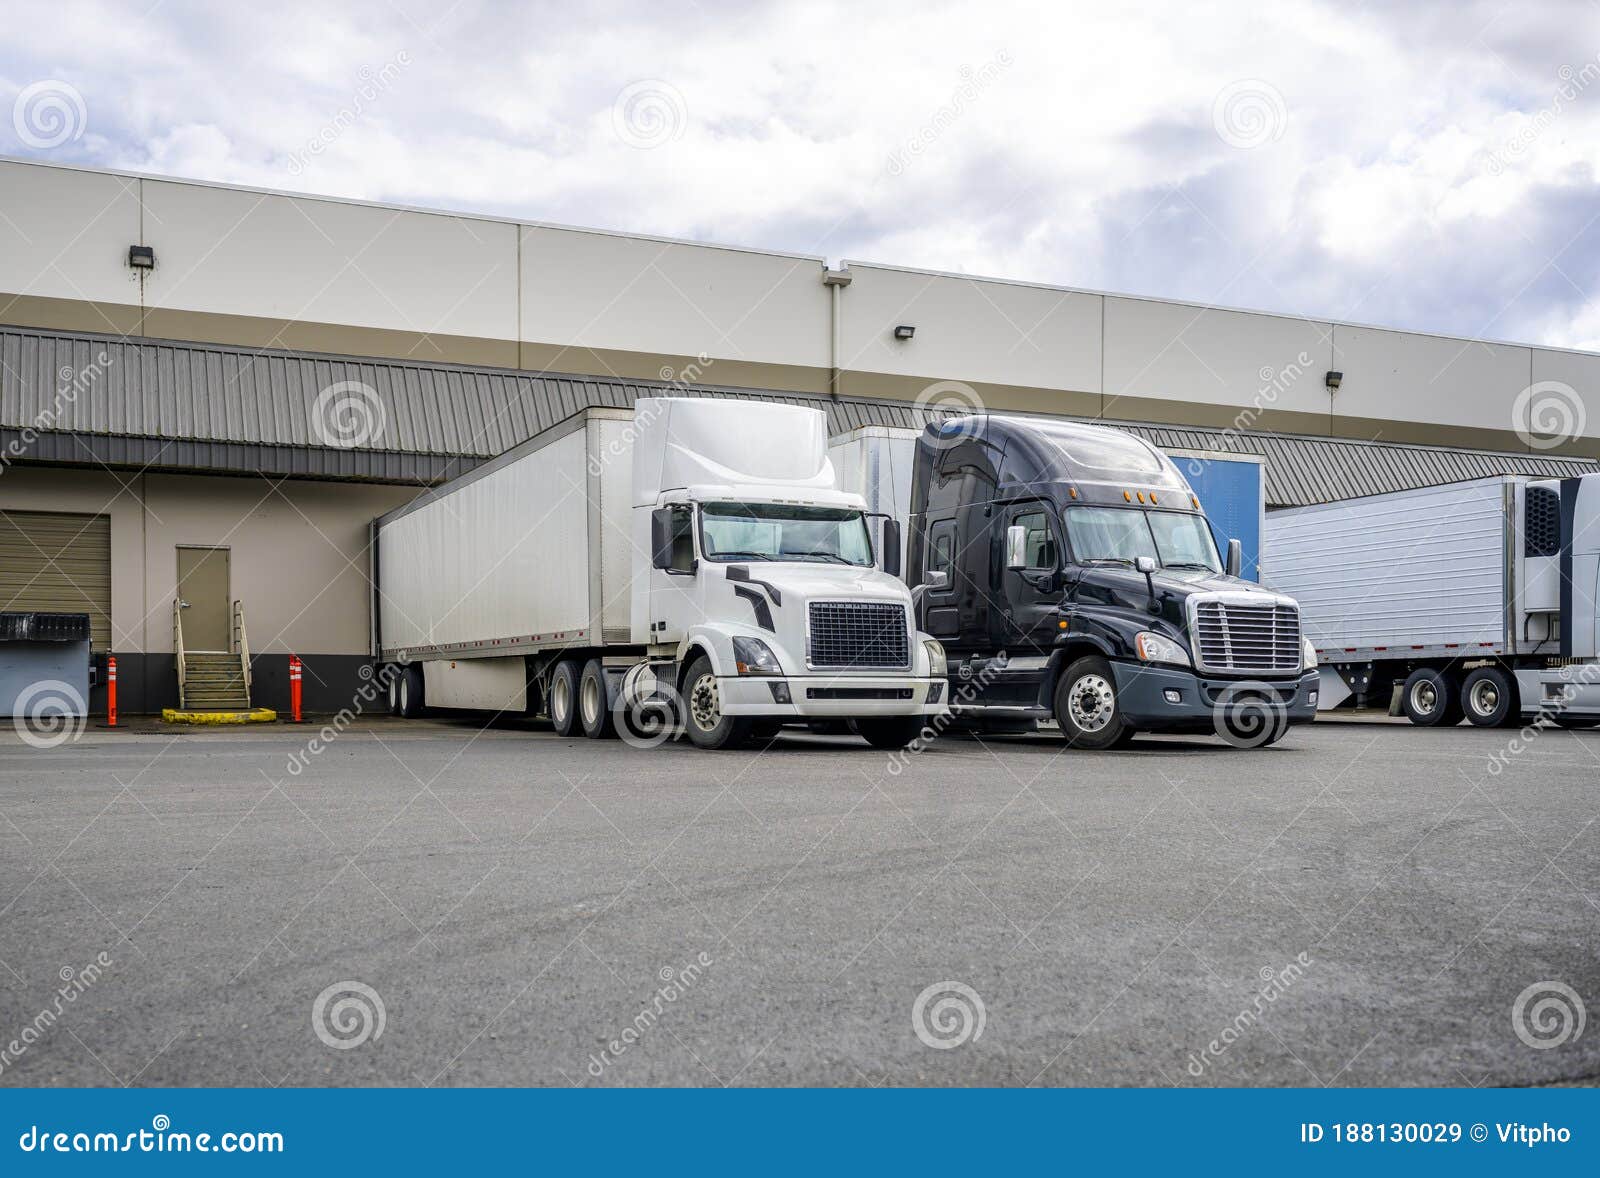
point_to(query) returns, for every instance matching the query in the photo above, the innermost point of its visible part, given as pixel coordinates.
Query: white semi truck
(1475, 599)
(691, 555)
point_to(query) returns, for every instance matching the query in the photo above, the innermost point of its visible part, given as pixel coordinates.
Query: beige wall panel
(65, 234)
(603, 292)
(1187, 356)
(228, 252)
(1575, 415)
(299, 555)
(970, 330)
(1426, 380)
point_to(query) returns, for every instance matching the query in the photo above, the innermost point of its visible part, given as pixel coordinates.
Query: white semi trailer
(691, 554)
(1475, 599)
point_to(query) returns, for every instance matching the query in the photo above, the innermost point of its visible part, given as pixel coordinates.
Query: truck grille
(1236, 637)
(859, 634)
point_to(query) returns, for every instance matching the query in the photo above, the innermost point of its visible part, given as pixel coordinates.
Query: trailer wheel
(564, 697)
(411, 691)
(1086, 706)
(393, 673)
(1431, 698)
(1489, 698)
(594, 704)
(703, 718)
(888, 732)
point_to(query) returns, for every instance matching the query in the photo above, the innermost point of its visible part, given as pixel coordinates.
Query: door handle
(182, 604)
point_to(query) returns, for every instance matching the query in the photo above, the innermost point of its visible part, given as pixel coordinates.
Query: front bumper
(837, 696)
(1142, 693)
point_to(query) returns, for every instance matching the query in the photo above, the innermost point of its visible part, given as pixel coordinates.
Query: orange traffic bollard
(294, 687)
(111, 691)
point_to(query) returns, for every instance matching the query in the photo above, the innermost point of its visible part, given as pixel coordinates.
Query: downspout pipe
(835, 279)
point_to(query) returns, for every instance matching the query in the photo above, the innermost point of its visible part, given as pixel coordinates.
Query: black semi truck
(1070, 573)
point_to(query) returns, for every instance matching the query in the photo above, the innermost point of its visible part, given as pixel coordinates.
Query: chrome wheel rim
(394, 695)
(591, 701)
(1424, 698)
(704, 705)
(560, 700)
(1091, 703)
(1485, 697)
(405, 696)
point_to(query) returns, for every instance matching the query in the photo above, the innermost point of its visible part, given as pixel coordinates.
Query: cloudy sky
(1434, 166)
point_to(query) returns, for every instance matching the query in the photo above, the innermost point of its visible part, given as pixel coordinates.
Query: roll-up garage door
(58, 563)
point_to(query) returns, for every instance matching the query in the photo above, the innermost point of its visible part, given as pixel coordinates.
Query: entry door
(203, 598)
(1031, 594)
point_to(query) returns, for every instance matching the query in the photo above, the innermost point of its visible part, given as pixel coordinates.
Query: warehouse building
(208, 392)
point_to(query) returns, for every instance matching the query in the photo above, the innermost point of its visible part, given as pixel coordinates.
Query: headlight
(751, 656)
(1158, 648)
(938, 665)
(1308, 655)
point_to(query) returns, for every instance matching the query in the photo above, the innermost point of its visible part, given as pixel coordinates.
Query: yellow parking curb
(254, 716)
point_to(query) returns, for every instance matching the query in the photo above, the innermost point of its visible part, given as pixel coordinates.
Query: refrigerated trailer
(689, 556)
(1473, 599)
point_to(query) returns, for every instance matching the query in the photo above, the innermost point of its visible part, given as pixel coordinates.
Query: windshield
(784, 531)
(1173, 539)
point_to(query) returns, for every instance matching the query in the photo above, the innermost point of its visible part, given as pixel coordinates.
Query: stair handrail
(241, 645)
(177, 646)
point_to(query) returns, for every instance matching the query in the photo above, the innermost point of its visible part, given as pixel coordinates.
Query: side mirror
(1145, 564)
(889, 539)
(1235, 558)
(661, 537)
(1016, 547)
(936, 581)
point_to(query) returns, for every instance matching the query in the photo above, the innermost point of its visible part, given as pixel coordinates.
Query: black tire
(1574, 722)
(594, 703)
(888, 732)
(412, 701)
(1489, 698)
(703, 720)
(1086, 706)
(563, 701)
(1431, 698)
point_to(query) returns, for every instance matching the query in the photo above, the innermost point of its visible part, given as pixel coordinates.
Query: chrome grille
(858, 634)
(1231, 636)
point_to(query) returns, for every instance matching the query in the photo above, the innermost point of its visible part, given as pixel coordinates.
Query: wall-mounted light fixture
(141, 257)
(904, 331)
(1333, 380)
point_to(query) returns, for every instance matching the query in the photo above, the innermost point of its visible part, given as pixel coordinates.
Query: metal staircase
(213, 681)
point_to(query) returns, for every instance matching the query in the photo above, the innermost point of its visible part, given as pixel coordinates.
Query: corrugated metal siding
(191, 406)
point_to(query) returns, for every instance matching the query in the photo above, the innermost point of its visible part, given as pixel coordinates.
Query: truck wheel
(411, 683)
(1430, 698)
(594, 706)
(564, 697)
(1489, 698)
(1086, 706)
(888, 732)
(393, 673)
(708, 728)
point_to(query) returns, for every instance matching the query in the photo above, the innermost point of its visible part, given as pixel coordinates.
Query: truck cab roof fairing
(683, 442)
